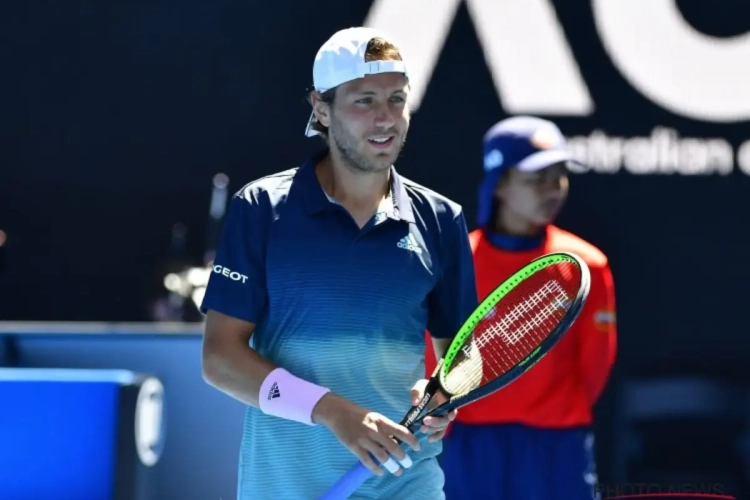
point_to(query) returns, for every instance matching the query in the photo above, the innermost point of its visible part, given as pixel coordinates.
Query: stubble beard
(354, 159)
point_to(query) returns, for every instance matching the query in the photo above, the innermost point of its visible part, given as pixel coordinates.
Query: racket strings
(512, 333)
(513, 329)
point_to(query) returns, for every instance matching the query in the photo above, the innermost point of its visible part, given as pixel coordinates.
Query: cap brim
(544, 159)
(309, 130)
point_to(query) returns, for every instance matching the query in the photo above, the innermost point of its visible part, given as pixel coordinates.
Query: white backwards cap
(341, 59)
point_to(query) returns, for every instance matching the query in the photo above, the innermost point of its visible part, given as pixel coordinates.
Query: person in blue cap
(533, 439)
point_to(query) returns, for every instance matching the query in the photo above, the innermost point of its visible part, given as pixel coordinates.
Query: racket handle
(348, 483)
(358, 473)
(354, 478)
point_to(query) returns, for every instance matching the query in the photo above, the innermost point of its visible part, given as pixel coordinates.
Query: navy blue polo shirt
(342, 307)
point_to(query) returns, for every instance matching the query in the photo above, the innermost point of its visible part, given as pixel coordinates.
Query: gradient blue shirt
(342, 307)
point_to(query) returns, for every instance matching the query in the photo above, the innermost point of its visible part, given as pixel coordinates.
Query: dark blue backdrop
(116, 117)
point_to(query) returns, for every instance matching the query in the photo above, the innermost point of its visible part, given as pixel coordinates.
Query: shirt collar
(317, 201)
(402, 207)
(511, 243)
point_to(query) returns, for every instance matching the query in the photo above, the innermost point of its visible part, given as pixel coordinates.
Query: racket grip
(348, 483)
(358, 473)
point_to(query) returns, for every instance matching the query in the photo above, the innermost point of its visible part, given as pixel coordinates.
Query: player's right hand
(363, 432)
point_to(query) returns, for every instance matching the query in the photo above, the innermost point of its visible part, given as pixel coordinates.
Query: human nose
(384, 118)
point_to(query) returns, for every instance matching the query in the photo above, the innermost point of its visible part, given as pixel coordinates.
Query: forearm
(242, 373)
(238, 371)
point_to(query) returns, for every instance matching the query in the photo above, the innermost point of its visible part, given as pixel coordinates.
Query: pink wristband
(286, 396)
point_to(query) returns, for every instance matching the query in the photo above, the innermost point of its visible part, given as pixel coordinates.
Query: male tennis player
(334, 269)
(532, 440)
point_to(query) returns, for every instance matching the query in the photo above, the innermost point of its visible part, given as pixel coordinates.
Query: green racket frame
(486, 305)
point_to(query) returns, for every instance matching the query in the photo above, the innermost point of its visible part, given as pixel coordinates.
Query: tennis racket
(511, 330)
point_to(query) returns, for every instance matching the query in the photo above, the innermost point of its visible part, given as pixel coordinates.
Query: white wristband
(286, 396)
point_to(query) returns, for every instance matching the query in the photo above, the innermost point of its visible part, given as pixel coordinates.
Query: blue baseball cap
(525, 143)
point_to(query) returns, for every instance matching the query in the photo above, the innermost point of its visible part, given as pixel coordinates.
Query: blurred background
(125, 126)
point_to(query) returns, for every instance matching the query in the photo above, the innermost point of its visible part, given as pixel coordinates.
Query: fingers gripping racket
(511, 330)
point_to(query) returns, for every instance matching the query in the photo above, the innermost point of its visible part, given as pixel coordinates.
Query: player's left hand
(434, 427)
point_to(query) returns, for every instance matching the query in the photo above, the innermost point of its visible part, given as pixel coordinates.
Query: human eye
(533, 180)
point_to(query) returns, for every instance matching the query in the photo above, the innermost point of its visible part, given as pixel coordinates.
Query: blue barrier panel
(59, 433)
(198, 446)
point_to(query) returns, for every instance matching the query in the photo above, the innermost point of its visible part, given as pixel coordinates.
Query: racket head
(514, 327)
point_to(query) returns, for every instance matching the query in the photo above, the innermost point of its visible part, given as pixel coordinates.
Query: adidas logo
(409, 243)
(274, 392)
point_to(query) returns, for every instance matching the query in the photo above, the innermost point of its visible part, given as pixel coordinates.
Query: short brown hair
(378, 49)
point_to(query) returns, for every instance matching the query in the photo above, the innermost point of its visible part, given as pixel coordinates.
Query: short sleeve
(237, 284)
(454, 297)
